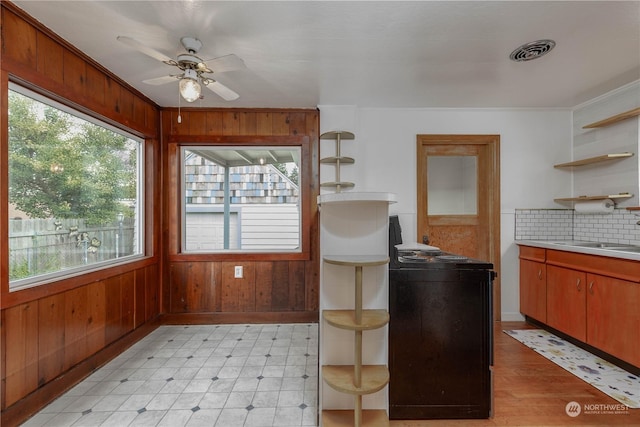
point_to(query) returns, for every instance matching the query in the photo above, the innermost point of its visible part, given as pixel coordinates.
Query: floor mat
(605, 376)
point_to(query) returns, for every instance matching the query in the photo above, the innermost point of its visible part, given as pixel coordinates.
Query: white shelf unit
(353, 359)
(338, 160)
(590, 161)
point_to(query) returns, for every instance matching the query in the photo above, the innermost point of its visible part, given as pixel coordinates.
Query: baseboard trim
(512, 317)
(29, 405)
(241, 318)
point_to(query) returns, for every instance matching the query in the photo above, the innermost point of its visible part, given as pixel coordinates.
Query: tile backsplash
(564, 224)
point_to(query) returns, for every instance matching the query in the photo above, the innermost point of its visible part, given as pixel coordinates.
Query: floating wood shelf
(338, 184)
(337, 134)
(596, 159)
(342, 378)
(615, 119)
(633, 208)
(585, 198)
(357, 260)
(344, 418)
(346, 319)
(335, 160)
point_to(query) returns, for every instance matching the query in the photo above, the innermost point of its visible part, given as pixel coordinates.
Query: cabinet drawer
(533, 253)
(612, 267)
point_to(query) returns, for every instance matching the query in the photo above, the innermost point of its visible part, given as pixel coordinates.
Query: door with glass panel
(458, 201)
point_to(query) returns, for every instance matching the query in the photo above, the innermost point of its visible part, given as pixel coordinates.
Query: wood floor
(531, 391)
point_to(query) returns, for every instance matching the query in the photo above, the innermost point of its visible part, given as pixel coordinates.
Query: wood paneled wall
(276, 288)
(53, 335)
(48, 332)
(36, 56)
(46, 337)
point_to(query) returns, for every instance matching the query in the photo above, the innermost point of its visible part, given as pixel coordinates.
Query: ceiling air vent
(532, 50)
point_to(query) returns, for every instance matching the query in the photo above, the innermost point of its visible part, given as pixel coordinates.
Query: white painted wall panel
(532, 141)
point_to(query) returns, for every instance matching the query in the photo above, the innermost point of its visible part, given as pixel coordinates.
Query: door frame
(489, 187)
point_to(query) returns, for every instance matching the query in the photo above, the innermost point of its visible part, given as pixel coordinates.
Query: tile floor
(213, 375)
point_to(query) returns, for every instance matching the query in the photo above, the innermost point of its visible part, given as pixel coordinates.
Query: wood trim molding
(487, 149)
(240, 317)
(11, 299)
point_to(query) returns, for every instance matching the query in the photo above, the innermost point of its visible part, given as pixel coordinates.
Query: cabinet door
(533, 289)
(613, 317)
(566, 301)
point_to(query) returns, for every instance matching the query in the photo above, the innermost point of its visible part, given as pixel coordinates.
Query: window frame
(184, 208)
(141, 222)
(176, 199)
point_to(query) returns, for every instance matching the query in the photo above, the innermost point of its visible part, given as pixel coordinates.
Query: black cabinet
(440, 343)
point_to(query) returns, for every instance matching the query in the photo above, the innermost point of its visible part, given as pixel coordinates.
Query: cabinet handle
(591, 287)
(540, 274)
(578, 285)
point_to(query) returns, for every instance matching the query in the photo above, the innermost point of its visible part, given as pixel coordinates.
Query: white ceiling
(366, 53)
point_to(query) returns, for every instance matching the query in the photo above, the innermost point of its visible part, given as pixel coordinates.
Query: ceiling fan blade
(144, 49)
(162, 80)
(225, 63)
(222, 91)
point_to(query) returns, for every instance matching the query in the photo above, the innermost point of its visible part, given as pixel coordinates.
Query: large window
(75, 191)
(241, 199)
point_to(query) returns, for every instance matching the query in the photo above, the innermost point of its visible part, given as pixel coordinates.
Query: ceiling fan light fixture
(194, 70)
(190, 88)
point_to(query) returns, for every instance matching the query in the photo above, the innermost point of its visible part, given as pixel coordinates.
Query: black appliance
(440, 333)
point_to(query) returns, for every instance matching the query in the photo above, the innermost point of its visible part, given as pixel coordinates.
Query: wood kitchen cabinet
(566, 301)
(533, 283)
(591, 298)
(613, 317)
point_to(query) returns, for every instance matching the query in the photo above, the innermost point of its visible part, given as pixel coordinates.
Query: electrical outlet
(237, 273)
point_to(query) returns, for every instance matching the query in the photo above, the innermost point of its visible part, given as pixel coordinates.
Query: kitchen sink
(601, 245)
(569, 242)
(621, 247)
(634, 249)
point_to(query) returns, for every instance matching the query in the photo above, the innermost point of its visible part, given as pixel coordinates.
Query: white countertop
(566, 245)
(354, 196)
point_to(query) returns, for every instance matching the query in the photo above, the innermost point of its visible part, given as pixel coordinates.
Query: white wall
(531, 142)
(615, 176)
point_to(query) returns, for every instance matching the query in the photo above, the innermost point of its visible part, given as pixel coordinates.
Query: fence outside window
(75, 191)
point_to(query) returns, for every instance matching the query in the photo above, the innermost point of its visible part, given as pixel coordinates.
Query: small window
(75, 192)
(241, 199)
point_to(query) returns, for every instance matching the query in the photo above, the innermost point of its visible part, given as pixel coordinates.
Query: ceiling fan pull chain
(179, 116)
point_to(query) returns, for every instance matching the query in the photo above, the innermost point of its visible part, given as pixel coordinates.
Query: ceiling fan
(194, 70)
